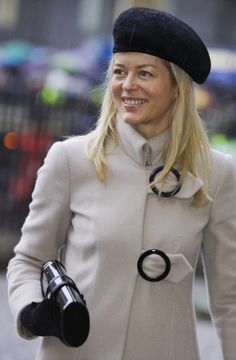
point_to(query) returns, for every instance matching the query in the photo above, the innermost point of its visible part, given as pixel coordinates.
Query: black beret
(161, 34)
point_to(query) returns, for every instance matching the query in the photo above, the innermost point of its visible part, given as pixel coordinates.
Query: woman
(130, 205)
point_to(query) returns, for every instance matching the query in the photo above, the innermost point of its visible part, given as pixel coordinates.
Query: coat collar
(149, 153)
(142, 151)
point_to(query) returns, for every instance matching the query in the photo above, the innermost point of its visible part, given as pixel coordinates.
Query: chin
(131, 120)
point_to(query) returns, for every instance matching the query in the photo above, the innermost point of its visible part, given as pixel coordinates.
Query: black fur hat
(161, 34)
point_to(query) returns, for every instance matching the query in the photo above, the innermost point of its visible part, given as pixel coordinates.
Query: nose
(130, 83)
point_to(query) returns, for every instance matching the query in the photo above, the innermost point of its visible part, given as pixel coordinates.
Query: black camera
(73, 322)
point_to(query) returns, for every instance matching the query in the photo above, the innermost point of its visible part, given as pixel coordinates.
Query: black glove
(45, 319)
(41, 319)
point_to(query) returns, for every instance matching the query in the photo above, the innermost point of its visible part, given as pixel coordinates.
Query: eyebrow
(139, 66)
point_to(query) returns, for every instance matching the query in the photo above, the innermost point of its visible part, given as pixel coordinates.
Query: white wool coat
(102, 229)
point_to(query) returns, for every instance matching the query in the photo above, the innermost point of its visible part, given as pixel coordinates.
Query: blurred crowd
(44, 94)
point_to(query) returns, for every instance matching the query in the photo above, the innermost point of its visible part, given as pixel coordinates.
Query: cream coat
(103, 229)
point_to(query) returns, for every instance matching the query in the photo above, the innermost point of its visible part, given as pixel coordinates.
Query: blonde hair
(188, 138)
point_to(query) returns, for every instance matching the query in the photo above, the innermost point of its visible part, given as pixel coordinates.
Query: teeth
(133, 102)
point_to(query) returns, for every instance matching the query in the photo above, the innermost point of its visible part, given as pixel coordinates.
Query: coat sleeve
(43, 233)
(219, 256)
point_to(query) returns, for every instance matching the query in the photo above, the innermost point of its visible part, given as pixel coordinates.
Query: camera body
(73, 319)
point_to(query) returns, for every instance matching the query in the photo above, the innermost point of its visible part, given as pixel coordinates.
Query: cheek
(164, 95)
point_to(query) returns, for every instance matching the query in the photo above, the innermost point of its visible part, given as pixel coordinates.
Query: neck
(148, 131)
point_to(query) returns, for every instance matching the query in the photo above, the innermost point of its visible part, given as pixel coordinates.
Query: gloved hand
(45, 319)
(41, 319)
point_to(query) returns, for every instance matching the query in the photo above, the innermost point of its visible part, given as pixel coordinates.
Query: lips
(133, 101)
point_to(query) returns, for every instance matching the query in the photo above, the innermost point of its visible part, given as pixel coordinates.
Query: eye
(145, 74)
(118, 71)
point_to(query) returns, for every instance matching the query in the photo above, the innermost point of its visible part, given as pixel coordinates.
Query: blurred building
(63, 23)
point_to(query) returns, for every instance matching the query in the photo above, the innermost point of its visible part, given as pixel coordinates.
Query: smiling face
(143, 91)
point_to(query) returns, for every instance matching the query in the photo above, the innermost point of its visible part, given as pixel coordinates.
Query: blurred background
(53, 58)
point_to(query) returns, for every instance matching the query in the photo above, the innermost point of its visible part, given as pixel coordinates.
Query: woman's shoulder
(219, 160)
(222, 169)
(68, 152)
(77, 141)
(72, 145)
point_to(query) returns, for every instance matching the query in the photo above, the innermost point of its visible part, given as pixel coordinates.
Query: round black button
(164, 193)
(163, 256)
